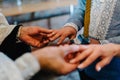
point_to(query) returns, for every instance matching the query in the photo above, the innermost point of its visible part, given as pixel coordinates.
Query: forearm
(23, 68)
(9, 43)
(117, 46)
(8, 69)
(111, 40)
(77, 17)
(28, 65)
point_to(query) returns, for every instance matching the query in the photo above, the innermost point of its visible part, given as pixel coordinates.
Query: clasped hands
(67, 58)
(86, 54)
(39, 37)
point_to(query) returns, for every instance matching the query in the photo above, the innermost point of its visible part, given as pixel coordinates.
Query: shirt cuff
(28, 65)
(72, 25)
(18, 34)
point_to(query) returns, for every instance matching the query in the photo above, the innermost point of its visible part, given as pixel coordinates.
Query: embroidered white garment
(22, 69)
(8, 69)
(28, 65)
(5, 28)
(101, 15)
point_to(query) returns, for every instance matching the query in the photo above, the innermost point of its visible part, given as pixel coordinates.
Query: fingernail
(80, 66)
(98, 69)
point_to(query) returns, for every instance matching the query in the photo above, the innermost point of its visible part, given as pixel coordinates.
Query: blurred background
(50, 14)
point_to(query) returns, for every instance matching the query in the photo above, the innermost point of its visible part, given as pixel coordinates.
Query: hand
(52, 59)
(34, 36)
(92, 52)
(63, 33)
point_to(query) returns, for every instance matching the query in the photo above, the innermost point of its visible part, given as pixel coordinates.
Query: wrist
(71, 25)
(39, 57)
(71, 28)
(28, 65)
(19, 33)
(117, 49)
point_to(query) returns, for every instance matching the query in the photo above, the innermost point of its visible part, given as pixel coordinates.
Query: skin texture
(89, 53)
(51, 59)
(34, 36)
(63, 33)
(93, 41)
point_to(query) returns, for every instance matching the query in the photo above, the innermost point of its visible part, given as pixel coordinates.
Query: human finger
(44, 30)
(90, 59)
(72, 37)
(52, 34)
(46, 41)
(31, 41)
(43, 34)
(103, 63)
(67, 68)
(55, 37)
(81, 56)
(62, 38)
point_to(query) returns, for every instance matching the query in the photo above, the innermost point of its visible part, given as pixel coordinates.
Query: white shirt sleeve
(28, 65)
(8, 69)
(22, 69)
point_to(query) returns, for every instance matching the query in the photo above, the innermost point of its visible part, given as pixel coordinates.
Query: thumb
(69, 67)
(31, 41)
(103, 63)
(72, 37)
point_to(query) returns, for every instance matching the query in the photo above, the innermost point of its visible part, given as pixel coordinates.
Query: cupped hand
(63, 33)
(34, 36)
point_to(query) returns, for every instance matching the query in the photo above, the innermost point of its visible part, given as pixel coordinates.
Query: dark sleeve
(11, 48)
